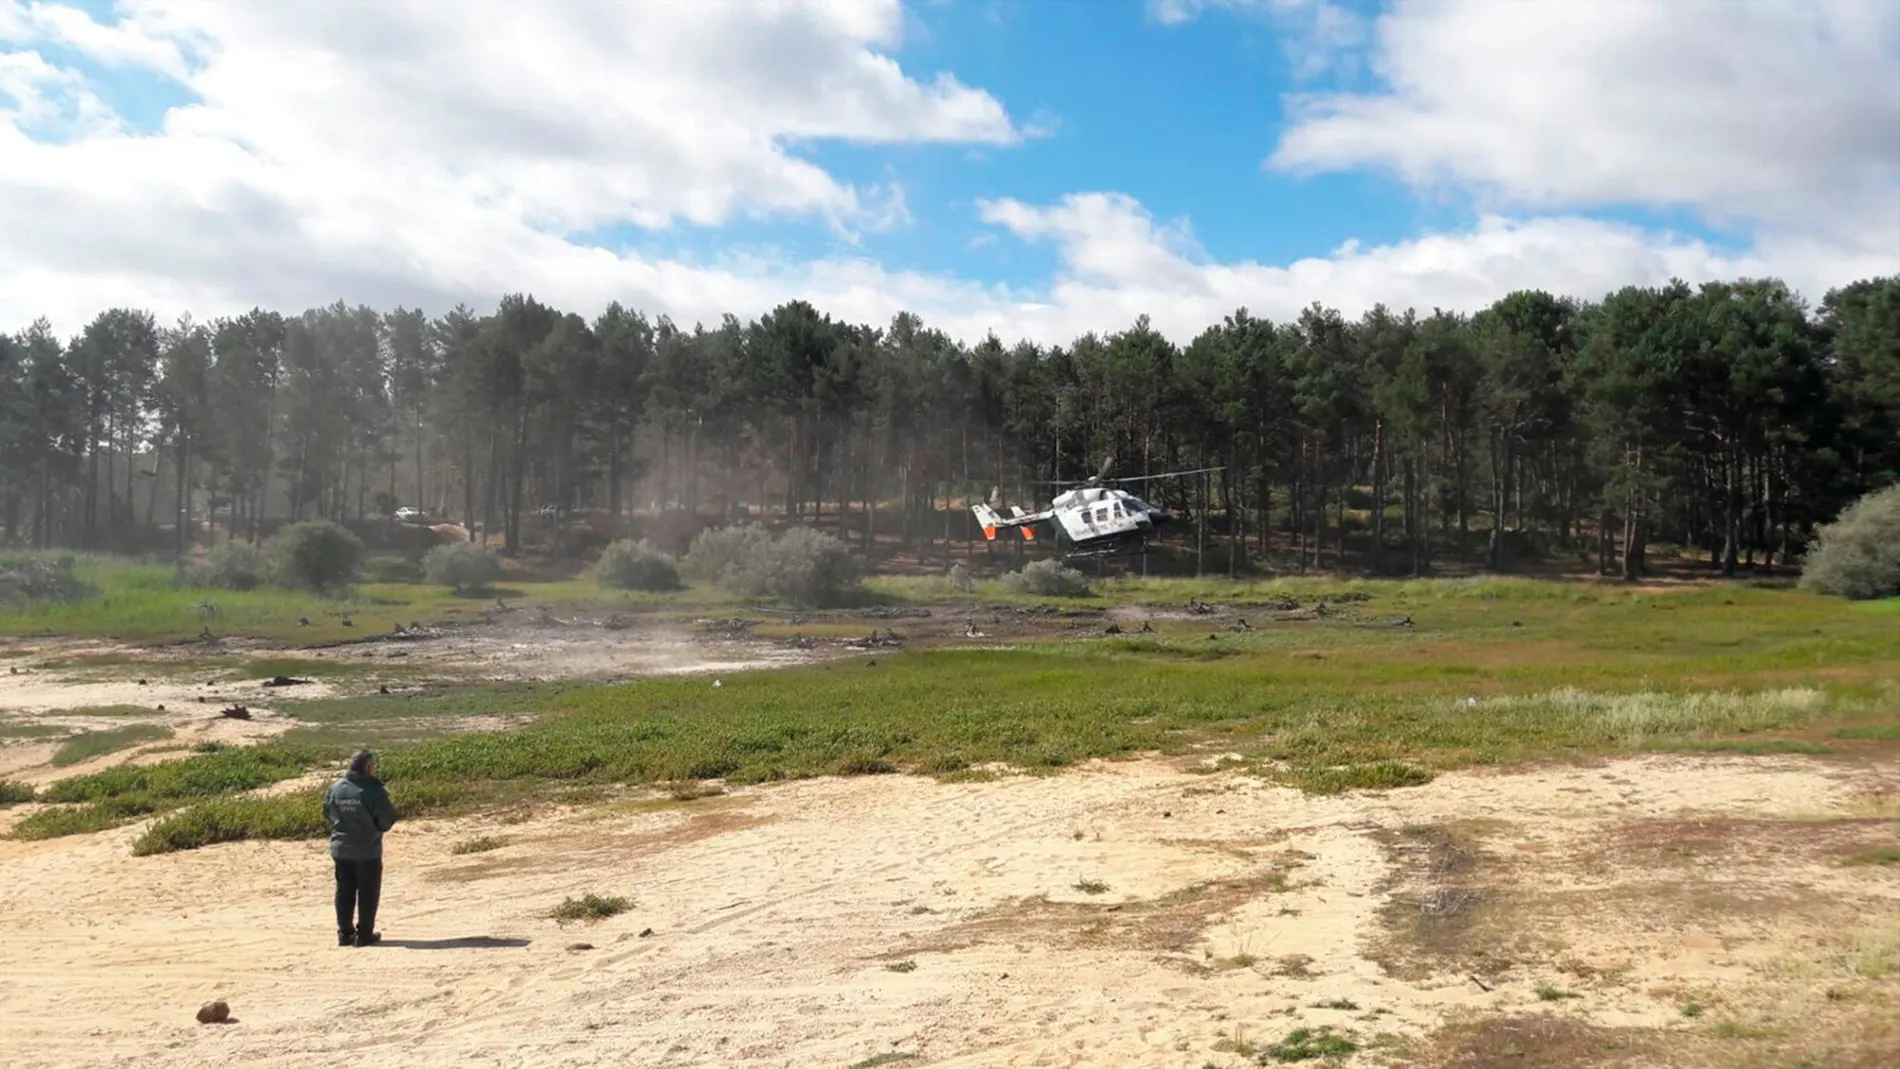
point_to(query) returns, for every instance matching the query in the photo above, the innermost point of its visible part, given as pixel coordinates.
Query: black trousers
(359, 887)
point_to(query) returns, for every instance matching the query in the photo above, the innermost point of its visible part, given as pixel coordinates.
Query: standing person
(359, 812)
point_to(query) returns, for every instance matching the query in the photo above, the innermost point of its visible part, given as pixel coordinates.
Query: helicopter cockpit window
(1136, 504)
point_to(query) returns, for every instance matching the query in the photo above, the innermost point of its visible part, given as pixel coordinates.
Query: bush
(630, 565)
(803, 565)
(1048, 579)
(961, 580)
(32, 579)
(389, 568)
(463, 565)
(1858, 555)
(315, 555)
(12, 793)
(231, 566)
(718, 552)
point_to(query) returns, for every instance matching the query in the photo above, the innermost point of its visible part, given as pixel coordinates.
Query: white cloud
(1118, 263)
(431, 153)
(1315, 34)
(1773, 113)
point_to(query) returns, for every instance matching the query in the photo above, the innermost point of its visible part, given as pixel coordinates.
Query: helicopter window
(1136, 504)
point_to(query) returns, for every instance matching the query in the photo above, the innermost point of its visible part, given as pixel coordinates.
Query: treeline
(1730, 417)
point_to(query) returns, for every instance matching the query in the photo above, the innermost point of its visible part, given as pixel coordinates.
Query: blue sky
(1181, 117)
(440, 152)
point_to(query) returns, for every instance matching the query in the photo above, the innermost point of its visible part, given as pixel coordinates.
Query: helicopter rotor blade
(1108, 465)
(1166, 474)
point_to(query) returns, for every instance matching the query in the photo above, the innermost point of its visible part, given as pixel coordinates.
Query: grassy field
(145, 603)
(1487, 672)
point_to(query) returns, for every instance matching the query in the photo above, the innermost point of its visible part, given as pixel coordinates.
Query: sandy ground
(1129, 915)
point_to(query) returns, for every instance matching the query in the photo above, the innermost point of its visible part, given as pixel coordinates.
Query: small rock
(1166, 814)
(382, 690)
(141, 682)
(580, 946)
(645, 932)
(283, 681)
(214, 1012)
(161, 708)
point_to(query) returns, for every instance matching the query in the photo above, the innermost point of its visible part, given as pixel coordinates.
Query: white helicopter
(1096, 519)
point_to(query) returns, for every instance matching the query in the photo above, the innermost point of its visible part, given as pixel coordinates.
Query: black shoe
(368, 939)
(345, 939)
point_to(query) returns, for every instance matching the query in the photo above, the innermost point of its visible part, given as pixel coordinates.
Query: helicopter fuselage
(1096, 519)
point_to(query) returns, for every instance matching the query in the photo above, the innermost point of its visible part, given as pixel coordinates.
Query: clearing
(1454, 825)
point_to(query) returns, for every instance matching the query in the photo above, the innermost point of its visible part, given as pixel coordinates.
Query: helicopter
(1096, 518)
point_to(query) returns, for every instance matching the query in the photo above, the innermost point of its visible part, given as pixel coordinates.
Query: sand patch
(1126, 915)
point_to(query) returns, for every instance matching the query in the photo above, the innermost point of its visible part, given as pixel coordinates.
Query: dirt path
(1129, 915)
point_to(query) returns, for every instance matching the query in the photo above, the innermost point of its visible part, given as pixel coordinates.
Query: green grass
(1306, 1044)
(1885, 855)
(88, 745)
(144, 603)
(1494, 671)
(294, 815)
(12, 793)
(103, 712)
(30, 731)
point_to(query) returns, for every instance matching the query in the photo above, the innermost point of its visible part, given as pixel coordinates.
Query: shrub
(1858, 555)
(462, 565)
(590, 907)
(389, 568)
(34, 579)
(630, 565)
(718, 552)
(231, 566)
(315, 555)
(805, 565)
(961, 580)
(802, 565)
(12, 793)
(1048, 579)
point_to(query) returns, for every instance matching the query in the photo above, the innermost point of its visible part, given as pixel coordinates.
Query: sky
(1033, 168)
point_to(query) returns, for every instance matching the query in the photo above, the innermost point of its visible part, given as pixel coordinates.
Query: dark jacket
(359, 812)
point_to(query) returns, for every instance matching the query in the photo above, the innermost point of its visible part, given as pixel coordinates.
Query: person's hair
(363, 760)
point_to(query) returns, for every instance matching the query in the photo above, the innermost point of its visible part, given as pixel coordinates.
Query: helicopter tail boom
(992, 521)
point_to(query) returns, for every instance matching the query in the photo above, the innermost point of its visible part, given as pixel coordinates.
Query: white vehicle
(409, 514)
(1095, 520)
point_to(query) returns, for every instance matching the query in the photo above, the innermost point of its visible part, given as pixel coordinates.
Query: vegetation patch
(1373, 776)
(478, 845)
(1048, 579)
(88, 745)
(631, 565)
(12, 793)
(1858, 555)
(1517, 1042)
(802, 566)
(29, 579)
(291, 816)
(1306, 1044)
(590, 907)
(101, 712)
(1886, 855)
(464, 567)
